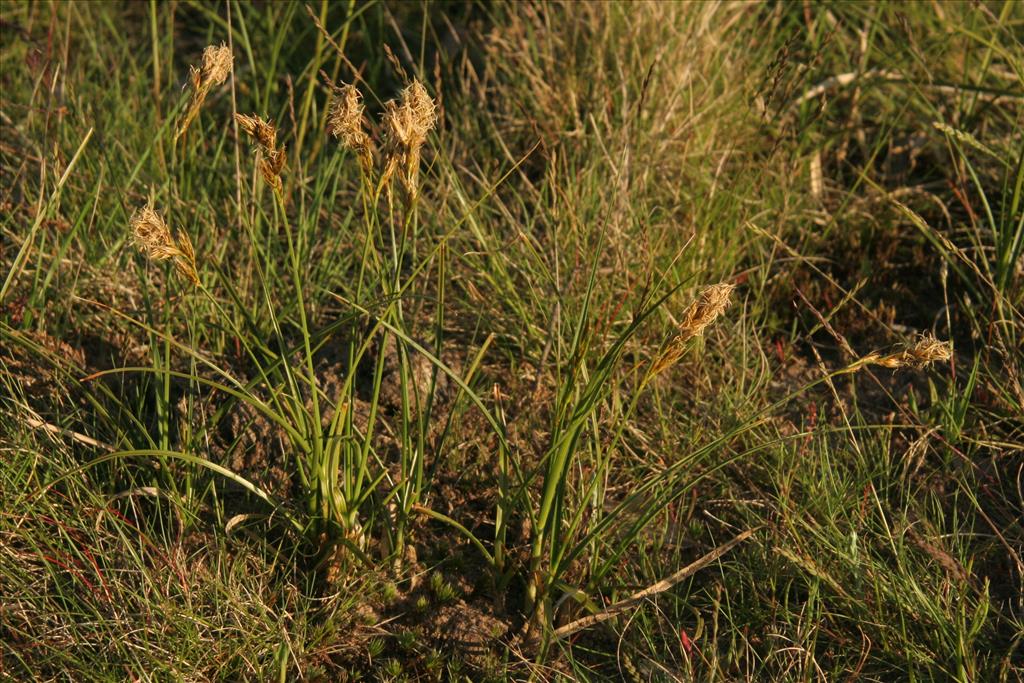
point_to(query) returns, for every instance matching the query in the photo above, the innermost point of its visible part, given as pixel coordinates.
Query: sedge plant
(343, 478)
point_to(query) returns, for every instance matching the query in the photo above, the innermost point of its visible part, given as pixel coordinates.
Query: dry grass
(923, 352)
(695, 319)
(347, 121)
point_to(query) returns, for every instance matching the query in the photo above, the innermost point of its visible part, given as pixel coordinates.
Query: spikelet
(153, 237)
(407, 121)
(186, 263)
(966, 138)
(711, 303)
(265, 135)
(926, 350)
(263, 132)
(217, 61)
(702, 312)
(347, 122)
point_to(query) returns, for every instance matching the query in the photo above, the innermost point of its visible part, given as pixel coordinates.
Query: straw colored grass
(700, 314)
(422, 439)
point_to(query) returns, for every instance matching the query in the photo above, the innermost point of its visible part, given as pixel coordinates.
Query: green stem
(320, 477)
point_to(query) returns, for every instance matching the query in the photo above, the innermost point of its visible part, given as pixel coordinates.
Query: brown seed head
(265, 135)
(696, 318)
(271, 166)
(928, 349)
(424, 110)
(152, 235)
(186, 263)
(346, 117)
(392, 160)
(407, 122)
(399, 125)
(217, 61)
(924, 351)
(347, 122)
(216, 67)
(702, 312)
(263, 132)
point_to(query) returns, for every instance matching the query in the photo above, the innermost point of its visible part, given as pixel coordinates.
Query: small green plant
(393, 668)
(557, 537)
(407, 639)
(375, 647)
(443, 590)
(390, 593)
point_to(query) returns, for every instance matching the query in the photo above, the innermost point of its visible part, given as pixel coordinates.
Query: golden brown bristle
(263, 132)
(926, 350)
(217, 61)
(702, 312)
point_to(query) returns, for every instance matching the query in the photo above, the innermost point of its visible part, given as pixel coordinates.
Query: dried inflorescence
(924, 351)
(347, 122)
(217, 61)
(263, 132)
(153, 236)
(265, 135)
(696, 318)
(407, 121)
(702, 312)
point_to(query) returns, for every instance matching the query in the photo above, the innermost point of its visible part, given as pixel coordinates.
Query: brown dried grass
(925, 351)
